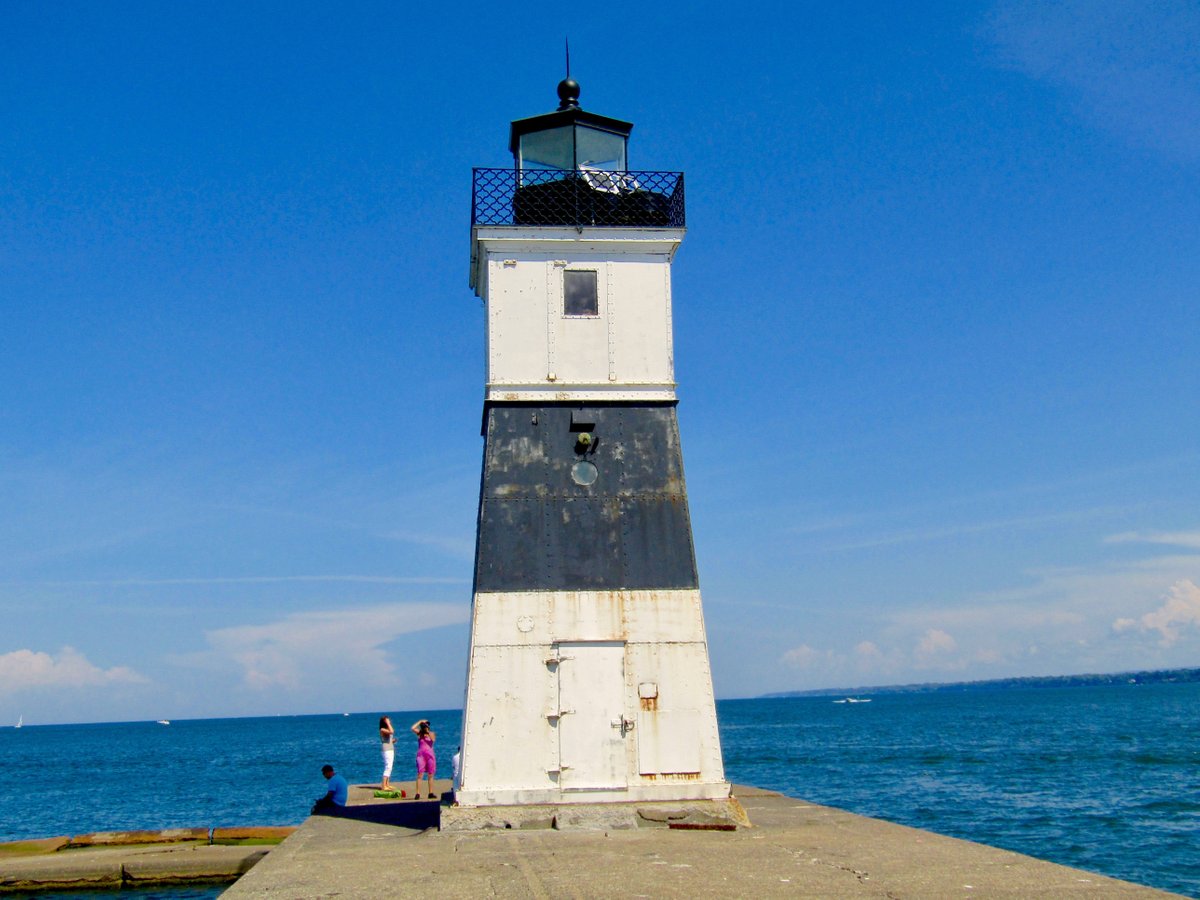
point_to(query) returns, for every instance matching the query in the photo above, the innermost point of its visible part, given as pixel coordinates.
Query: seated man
(335, 800)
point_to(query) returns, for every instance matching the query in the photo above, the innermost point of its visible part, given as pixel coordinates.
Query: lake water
(1104, 778)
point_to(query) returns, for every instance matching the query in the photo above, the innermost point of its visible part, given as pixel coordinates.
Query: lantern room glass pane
(549, 149)
(599, 150)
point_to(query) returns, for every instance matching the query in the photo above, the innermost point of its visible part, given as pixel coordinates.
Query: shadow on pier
(415, 814)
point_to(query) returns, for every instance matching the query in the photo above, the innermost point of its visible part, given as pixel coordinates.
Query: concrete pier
(793, 849)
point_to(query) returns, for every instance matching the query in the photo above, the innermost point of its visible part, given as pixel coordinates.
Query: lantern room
(570, 139)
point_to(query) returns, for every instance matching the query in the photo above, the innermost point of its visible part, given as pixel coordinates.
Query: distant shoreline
(1161, 676)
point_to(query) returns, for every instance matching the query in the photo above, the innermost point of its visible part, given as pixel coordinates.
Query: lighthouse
(588, 678)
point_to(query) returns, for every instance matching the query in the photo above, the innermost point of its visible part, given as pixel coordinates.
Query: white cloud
(1129, 67)
(24, 669)
(866, 660)
(935, 642)
(308, 649)
(868, 652)
(458, 547)
(255, 580)
(964, 529)
(1170, 538)
(802, 657)
(1180, 610)
(983, 617)
(1061, 620)
(1065, 619)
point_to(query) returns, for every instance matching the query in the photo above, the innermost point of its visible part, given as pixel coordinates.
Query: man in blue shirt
(335, 800)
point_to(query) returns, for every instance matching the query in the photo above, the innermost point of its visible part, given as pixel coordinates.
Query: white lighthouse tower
(589, 677)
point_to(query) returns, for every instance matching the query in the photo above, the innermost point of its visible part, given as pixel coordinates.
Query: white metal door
(591, 725)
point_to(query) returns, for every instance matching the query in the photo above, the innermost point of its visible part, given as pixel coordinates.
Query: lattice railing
(590, 197)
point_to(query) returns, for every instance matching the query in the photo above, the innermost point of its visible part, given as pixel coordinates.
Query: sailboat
(20, 721)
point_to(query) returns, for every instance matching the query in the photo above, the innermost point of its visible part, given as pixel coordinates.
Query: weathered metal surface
(669, 741)
(541, 348)
(591, 698)
(540, 528)
(537, 617)
(548, 721)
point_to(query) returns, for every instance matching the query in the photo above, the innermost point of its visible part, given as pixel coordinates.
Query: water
(1104, 778)
(71, 779)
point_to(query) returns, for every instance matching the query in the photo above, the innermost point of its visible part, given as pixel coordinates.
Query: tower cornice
(487, 239)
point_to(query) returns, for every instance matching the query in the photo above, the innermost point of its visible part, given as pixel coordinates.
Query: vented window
(581, 295)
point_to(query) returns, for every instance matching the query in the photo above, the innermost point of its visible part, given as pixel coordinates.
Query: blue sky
(936, 325)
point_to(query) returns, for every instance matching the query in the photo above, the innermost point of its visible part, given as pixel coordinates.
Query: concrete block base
(725, 814)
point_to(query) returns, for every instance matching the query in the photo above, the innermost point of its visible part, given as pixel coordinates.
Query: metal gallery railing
(577, 198)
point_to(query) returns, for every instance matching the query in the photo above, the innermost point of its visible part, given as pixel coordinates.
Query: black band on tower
(583, 497)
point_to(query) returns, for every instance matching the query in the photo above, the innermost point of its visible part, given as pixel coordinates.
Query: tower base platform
(712, 815)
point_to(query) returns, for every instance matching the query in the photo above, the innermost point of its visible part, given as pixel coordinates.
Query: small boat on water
(854, 700)
(164, 721)
(20, 721)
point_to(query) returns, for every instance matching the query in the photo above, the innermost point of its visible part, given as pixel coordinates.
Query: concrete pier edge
(120, 859)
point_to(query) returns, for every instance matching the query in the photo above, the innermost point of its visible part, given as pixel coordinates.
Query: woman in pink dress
(426, 761)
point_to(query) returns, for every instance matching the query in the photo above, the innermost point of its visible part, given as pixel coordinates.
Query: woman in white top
(387, 735)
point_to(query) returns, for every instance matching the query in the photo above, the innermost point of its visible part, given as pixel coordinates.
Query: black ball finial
(568, 93)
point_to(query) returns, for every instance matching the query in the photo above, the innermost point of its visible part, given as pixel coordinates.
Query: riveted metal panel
(583, 542)
(657, 537)
(651, 463)
(512, 694)
(515, 467)
(541, 527)
(669, 740)
(512, 532)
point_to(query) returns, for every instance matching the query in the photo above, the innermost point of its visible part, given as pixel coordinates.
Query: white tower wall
(576, 697)
(574, 694)
(535, 352)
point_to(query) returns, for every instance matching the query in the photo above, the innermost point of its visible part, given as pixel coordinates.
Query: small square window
(581, 297)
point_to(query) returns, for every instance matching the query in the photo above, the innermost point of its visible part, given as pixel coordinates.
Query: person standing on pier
(387, 735)
(426, 760)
